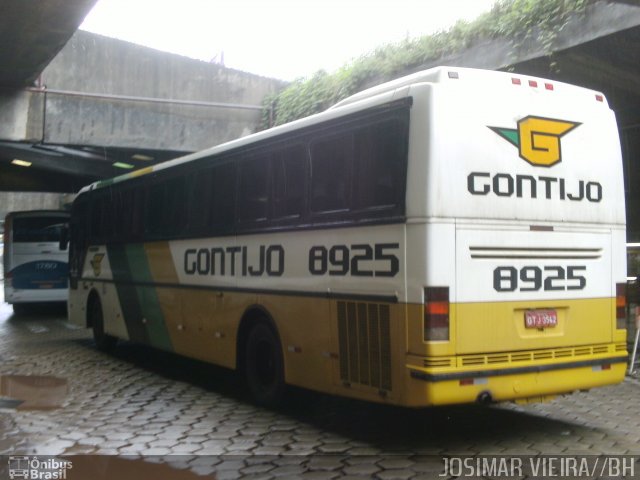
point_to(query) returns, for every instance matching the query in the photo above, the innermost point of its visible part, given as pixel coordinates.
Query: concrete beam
(107, 92)
(599, 20)
(21, 116)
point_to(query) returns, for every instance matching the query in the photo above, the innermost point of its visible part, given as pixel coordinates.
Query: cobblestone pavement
(142, 402)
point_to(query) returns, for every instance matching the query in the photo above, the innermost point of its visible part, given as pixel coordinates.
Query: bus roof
(36, 213)
(475, 76)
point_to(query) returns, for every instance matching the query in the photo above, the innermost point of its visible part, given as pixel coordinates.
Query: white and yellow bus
(454, 236)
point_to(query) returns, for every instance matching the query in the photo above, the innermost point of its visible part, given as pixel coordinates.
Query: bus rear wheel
(264, 365)
(20, 309)
(103, 341)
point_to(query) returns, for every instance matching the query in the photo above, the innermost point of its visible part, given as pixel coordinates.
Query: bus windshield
(37, 229)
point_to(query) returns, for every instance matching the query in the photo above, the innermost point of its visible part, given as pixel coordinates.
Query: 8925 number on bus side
(534, 278)
(359, 260)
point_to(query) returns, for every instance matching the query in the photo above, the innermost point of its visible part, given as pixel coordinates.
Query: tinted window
(289, 180)
(379, 162)
(223, 195)
(154, 211)
(200, 187)
(101, 217)
(37, 229)
(330, 159)
(253, 193)
(166, 206)
(128, 205)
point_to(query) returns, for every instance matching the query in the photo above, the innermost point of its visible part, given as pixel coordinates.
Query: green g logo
(538, 139)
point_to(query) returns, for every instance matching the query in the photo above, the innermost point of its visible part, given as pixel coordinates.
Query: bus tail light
(621, 305)
(436, 314)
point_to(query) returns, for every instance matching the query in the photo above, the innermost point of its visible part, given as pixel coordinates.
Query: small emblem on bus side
(96, 263)
(538, 139)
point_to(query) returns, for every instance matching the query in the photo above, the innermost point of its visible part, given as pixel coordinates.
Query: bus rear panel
(523, 224)
(35, 267)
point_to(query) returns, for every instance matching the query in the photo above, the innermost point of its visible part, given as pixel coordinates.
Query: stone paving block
(287, 471)
(325, 462)
(362, 469)
(157, 451)
(395, 474)
(184, 448)
(227, 464)
(319, 475)
(240, 448)
(333, 448)
(394, 463)
(257, 468)
(257, 476)
(363, 451)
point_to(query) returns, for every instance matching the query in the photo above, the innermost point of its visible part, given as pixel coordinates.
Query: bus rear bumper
(521, 384)
(12, 295)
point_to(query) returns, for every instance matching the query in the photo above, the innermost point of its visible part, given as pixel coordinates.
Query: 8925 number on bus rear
(533, 278)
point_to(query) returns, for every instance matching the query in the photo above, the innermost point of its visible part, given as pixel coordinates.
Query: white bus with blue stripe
(36, 262)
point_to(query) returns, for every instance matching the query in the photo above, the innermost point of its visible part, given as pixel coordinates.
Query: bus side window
(379, 163)
(165, 208)
(331, 158)
(223, 198)
(174, 207)
(137, 214)
(122, 213)
(154, 217)
(253, 191)
(102, 217)
(289, 181)
(200, 192)
(128, 208)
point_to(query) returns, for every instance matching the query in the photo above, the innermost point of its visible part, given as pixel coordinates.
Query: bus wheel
(20, 309)
(103, 341)
(264, 366)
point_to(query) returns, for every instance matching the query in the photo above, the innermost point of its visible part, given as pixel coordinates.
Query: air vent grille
(365, 344)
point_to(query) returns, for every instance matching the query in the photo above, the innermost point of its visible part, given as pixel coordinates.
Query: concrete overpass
(598, 50)
(77, 107)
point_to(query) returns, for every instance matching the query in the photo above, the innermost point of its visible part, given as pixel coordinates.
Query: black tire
(20, 309)
(264, 366)
(103, 341)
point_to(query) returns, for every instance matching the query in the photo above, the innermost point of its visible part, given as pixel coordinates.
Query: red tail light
(436, 314)
(621, 305)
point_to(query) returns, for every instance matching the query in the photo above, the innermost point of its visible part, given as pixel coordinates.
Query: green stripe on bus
(129, 303)
(150, 309)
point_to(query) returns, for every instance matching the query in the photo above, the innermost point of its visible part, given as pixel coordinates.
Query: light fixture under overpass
(126, 166)
(20, 163)
(141, 157)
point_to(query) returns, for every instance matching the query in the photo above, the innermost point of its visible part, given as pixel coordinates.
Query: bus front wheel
(264, 365)
(102, 340)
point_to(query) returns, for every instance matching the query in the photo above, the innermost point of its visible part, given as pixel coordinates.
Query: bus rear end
(523, 293)
(35, 266)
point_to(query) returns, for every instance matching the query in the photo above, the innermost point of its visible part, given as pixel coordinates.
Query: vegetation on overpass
(515, 20)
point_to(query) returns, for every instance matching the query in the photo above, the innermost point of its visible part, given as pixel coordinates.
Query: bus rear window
(37, 229)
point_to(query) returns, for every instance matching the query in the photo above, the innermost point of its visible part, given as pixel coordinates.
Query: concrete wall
(12, 202)
(97, 65)
(21, 116)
